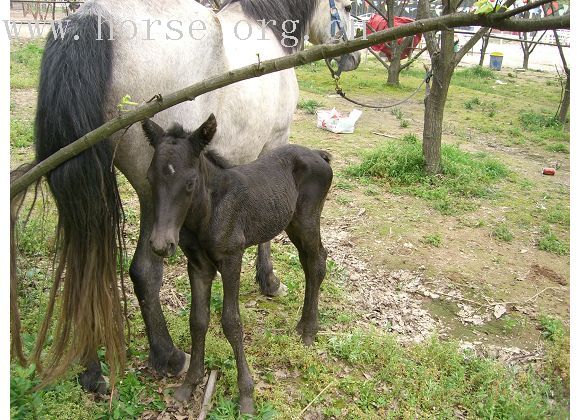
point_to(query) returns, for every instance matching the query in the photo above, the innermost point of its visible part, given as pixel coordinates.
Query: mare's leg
(304, 232)
(230, 268)
(269, 284)
(201, 274)
(147, 275)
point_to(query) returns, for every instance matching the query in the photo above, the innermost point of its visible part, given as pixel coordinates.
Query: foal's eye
(189, 186)
(348, 9)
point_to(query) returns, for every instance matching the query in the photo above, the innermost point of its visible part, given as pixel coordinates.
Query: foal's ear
(153, 132)
(203, 135)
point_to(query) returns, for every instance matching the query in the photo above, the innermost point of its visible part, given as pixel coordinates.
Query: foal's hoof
(247, 406)
(307, 336)
(184, 368)
(281, 291)
(183, 392)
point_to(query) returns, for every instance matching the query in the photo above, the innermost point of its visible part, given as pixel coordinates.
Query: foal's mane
(280, 11)
(177, 131)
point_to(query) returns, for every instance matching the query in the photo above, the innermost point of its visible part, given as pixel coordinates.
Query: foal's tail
(75, 76)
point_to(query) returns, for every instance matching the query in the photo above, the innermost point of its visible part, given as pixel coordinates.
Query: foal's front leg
(230, 268)
(201, 274)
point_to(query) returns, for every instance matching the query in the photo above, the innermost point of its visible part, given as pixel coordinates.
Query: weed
(559, 215)
(433, 239)
(25, 64)
(464, 176)
(549, 242)
(552, 328)
(21, 133)
(309, 105)
(502, 233)
(404, 123)
(397, 112)
(475, 72)
(533, 121)
(471, 103)
(558, 148)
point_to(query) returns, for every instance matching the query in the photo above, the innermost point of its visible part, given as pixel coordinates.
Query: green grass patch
(503, 233)
(465, 176)
(549, 242)
(21, 133)
(25, 64)
(309, 105)
(558, 148)
(433, 239)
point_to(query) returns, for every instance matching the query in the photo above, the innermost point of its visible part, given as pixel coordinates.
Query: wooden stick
(209, 389)
(314, 399)
(385, 135)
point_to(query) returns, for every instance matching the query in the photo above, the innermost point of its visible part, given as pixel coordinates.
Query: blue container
(495, 59)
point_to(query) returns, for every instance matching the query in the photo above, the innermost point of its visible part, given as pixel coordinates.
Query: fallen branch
(207, 396)
(314, 399)
(270, 66)
(385, 135)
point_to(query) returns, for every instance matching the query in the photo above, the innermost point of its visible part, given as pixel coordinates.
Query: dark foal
(215, 211)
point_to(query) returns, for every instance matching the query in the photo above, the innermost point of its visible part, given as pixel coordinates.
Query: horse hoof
(185, 366)
(281, 291)
(183, 393)
(307, 339)
(247, 406)
(95, 384)
(178, 363)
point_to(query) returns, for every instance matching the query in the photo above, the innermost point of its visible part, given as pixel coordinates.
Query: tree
(395, 65)
(443, 63)
(529, 41)
(565, 103)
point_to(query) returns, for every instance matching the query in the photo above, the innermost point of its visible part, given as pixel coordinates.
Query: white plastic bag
(331, 120)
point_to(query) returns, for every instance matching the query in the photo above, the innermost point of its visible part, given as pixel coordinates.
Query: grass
(309, 105)
(465, 177)
(21, 133)
(433, 239)
(502, 233)
(549, 242)
(25, 64)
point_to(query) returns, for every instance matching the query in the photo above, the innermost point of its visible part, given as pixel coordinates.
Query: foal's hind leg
(269, 284)
(91, 379)
(304, 232)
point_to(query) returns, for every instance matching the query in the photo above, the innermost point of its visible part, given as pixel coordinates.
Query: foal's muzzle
(163, 246)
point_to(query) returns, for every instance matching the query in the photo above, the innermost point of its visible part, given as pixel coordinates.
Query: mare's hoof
(247, 406)
(183, 392)
(281, 291)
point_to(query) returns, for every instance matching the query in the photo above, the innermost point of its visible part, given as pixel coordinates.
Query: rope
(341, 93)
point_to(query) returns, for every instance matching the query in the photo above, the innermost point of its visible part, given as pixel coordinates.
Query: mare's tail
(75, 76)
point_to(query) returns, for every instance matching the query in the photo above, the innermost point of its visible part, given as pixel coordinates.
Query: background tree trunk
(565, 106)
(484, 43)
(526, 59)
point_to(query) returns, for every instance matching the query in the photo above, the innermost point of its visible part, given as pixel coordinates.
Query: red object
(549, 171)
(379, 24)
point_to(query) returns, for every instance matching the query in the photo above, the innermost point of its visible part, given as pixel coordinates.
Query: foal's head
(173, 176)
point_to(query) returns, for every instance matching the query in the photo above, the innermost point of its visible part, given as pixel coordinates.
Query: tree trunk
(433, 119)
(526, 59)
(566, 99)
(394, 70)
(484, 43)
